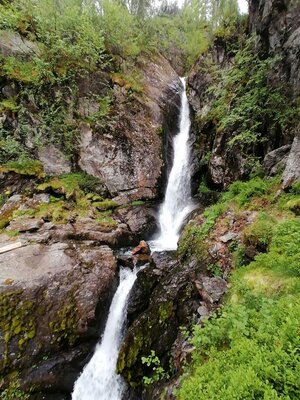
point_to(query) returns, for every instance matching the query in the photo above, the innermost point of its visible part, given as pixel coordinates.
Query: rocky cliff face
(128, 158)
(107, 124)
(276, 26)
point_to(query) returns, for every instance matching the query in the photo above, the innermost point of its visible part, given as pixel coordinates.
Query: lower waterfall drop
(178, 200)
(99, 380)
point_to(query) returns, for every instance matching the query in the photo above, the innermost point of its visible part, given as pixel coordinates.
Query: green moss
(25, 166)
(5, 218)
(105, 205)
(13, 391)
(8, 105)
(104, 219)
(165, 311)
(13, 233)
(16, 321)
(193, 239)
(64, 326)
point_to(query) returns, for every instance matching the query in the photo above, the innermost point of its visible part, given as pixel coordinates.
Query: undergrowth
(249, 349)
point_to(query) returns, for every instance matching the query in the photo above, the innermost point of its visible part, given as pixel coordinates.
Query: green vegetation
(193, 242)
(245, 104)
(157, 371)
(64, 45)
(13, 392)
(249, 348)
(24, 166)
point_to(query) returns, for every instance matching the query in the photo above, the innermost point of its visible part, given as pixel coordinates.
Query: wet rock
(141, 220)
(172, 303)
(292, 171)
(59, 298)
(25, 224)
(54, 161)
(140, 294)
(142, 248)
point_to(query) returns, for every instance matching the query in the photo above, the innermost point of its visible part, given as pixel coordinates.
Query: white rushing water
(99, 380)
(178, 200)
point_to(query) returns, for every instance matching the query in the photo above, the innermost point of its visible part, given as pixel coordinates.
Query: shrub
(243, 192)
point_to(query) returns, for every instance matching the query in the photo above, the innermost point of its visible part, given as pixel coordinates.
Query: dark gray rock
(274, 157)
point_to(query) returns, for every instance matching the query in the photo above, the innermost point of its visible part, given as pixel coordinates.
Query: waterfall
(177, 203)
(99, 380)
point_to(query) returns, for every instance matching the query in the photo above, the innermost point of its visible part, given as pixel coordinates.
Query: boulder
(52, 298)
(211, 289)
(227, 237)
(141, 220)
(142, 248)
(274, 158)
(25, 224)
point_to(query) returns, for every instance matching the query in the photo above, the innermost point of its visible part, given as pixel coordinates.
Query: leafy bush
(157, 371)
(284, 250)
(247, 353)
(243, 192)
(246, 103)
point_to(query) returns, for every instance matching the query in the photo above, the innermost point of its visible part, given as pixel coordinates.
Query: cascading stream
(99, 380)
(178, 200)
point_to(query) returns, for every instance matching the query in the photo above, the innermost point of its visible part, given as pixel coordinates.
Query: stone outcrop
(53, 298)
(54, 161)
(276, 23)
(167, 294)
(128, 158)
(292, 170)
(12, 44)
(276, 26)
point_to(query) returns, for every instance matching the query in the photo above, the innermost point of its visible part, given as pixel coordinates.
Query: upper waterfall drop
(178, 202)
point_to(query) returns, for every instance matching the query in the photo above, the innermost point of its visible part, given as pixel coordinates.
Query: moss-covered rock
(171, 304)
(56, 298)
